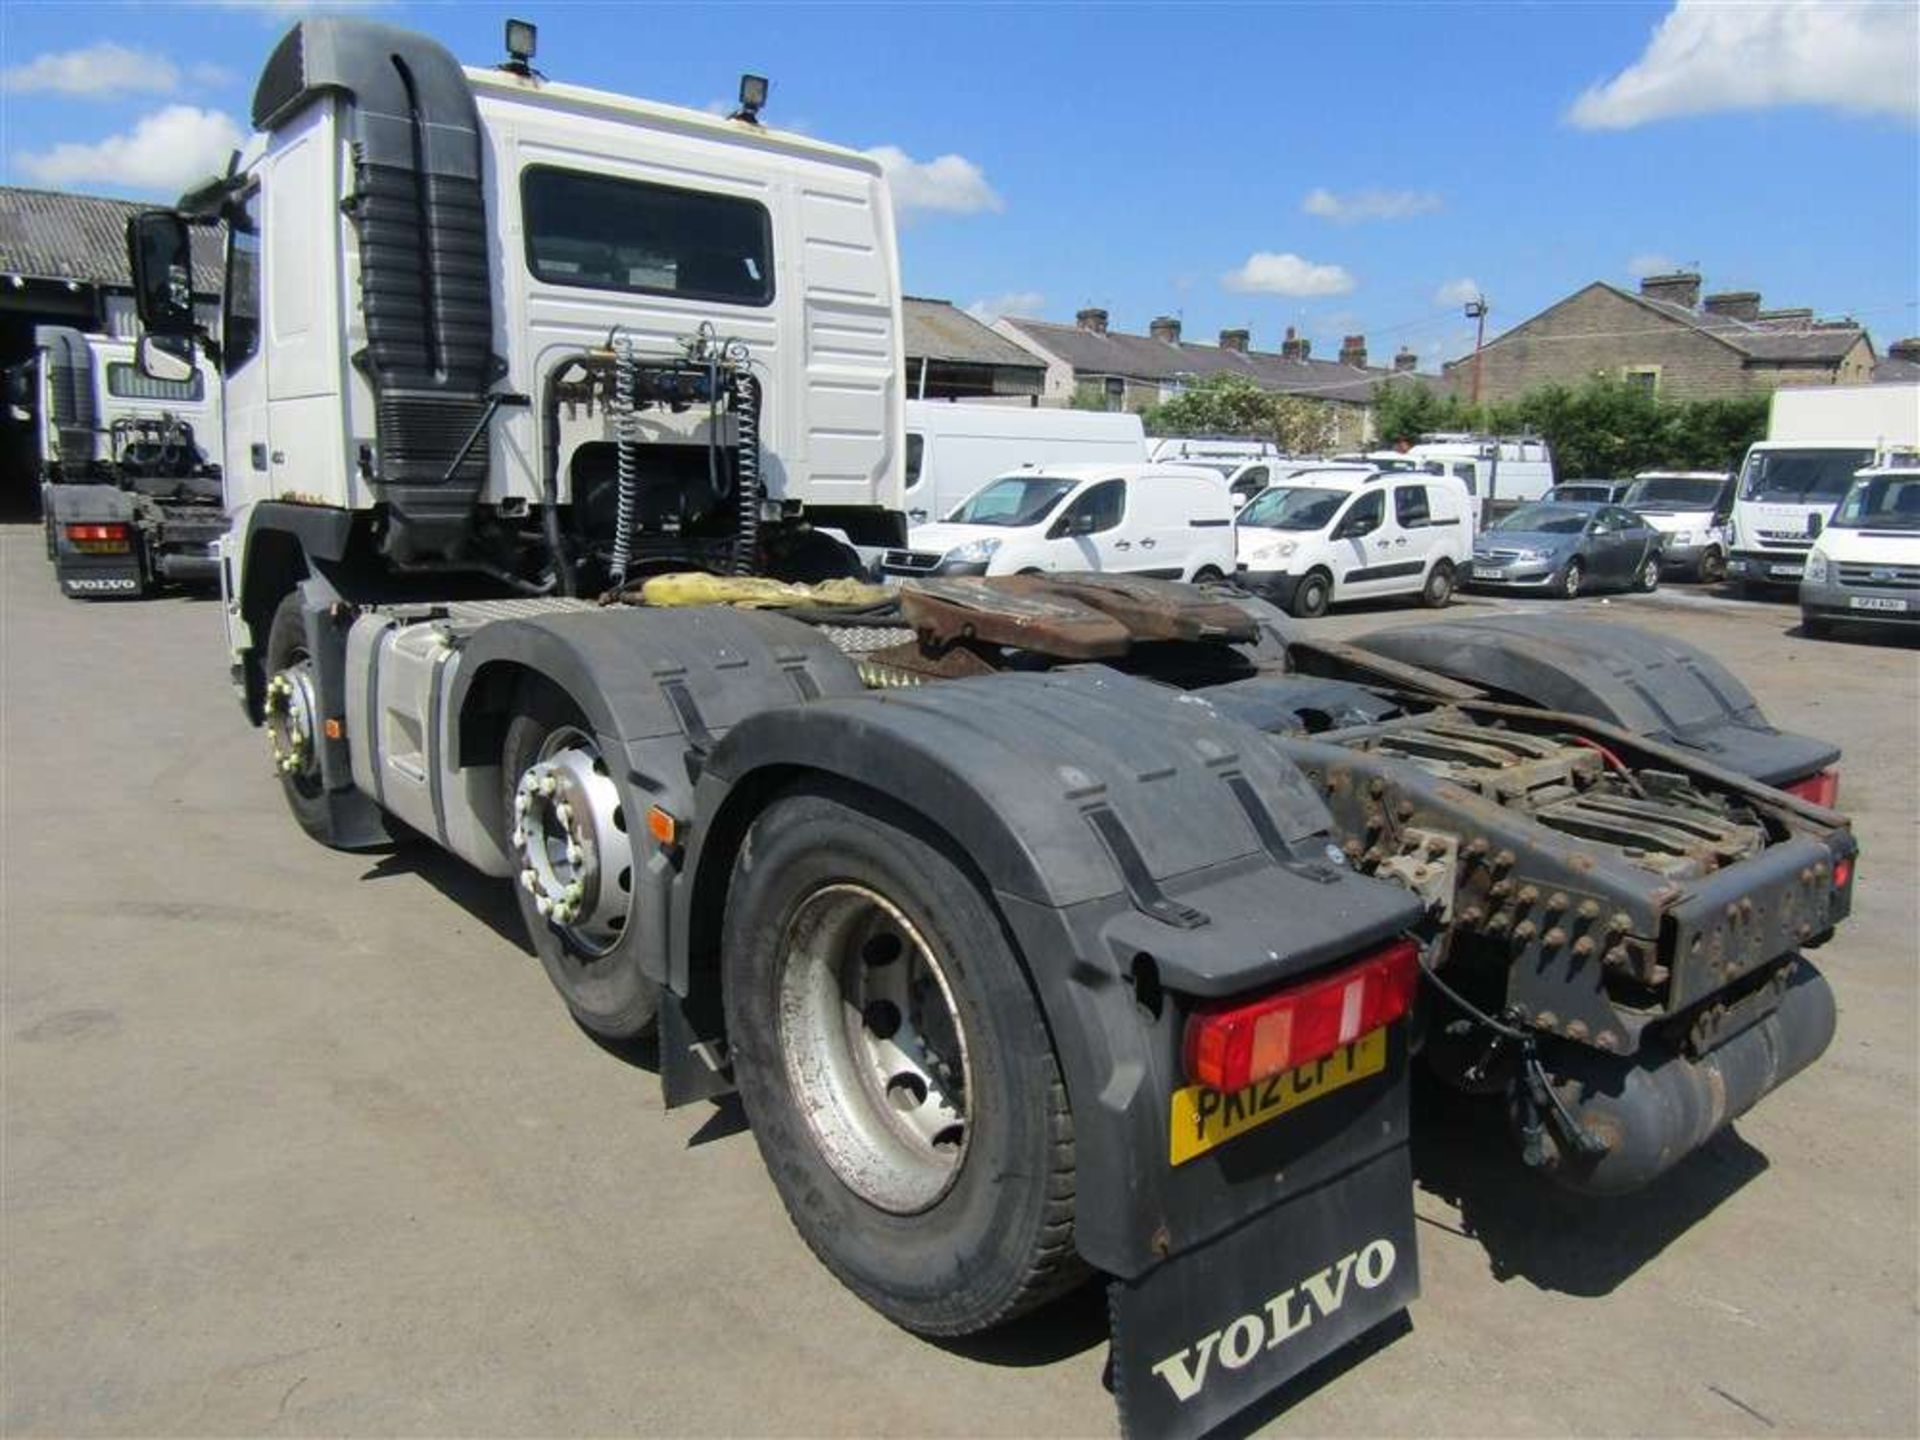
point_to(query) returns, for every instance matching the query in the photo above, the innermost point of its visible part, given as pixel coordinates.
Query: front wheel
(1438, 590)
(1572, 579)
(1648, 580)
(567, 818)
(1713, 568)
(290, 713)
(1310, 601)
(1207, 575)
(895, 1066)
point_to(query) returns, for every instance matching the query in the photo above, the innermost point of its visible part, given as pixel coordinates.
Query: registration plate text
(1203, 1119)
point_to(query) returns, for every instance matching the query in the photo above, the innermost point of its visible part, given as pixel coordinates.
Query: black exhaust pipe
(1653, 1110)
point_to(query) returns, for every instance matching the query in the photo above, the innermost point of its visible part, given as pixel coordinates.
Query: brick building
(1089, 362)
(1669, 339)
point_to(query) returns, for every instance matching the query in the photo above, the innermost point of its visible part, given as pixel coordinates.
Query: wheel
(813, 557)
(290, 714)
(1438, 590)
(1648, 580)
(1313, 596)
(895, 1066)
(1208, 575)
(1713, 568)
(1572, 578)
(1815, 627)
(567, 818)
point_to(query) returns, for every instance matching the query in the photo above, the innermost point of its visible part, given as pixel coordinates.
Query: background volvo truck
(130, 480)
(1818, 436)
(1047, 927)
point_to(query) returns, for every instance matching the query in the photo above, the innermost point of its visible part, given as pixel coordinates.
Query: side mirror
(164, 357)
(160, 254)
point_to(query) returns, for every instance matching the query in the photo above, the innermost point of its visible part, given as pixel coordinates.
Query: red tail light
(1822, 789)
(1231, 1045)
(96, 539)
(1842, 874)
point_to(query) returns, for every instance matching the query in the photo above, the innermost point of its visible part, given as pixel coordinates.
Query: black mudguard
(1650, 684)
(1145, 850)
(95, 577)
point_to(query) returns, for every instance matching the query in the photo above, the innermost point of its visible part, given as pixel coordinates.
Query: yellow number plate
(1203, 1118)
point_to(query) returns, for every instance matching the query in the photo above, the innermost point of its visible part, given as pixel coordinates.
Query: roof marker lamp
(523, 42)
(753, 95)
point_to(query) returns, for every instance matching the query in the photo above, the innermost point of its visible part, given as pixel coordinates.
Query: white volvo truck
(129, 468)
(1047, 927)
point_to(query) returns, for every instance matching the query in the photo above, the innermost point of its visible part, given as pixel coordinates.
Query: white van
(1340, 534)
(1161, 521)
(1498, 473)
(1184, 449)
(1865, 564)
(952, 450)
(1691, 508)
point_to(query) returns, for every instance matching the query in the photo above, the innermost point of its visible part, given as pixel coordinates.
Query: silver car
(1556, 548)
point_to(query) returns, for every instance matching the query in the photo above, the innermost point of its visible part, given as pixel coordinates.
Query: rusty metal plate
(1150, 609)
(959, 609)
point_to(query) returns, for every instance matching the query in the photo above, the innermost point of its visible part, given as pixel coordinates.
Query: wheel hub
(291, 713)
(570, 840)
(875, 1048)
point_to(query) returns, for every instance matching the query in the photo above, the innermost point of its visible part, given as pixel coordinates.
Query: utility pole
(1477, 312)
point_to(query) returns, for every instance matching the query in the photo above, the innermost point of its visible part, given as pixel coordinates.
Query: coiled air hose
(746, 408)
(626, 457)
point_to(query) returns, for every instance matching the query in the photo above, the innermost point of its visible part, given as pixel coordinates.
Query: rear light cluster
(1822, 789)
(1229, 1046)
(98, 539)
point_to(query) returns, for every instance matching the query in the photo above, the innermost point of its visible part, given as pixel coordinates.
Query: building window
(604, 233)
(125, 382)
(1643, 377)
(1116, 393)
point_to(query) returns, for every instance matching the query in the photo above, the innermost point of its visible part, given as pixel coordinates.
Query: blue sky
(1165, 159)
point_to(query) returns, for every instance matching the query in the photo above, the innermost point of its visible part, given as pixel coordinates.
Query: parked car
(1865, 565)
(954, 449)
(1167, 522)
(1344, 534)
(1580, 492)
(1691, 509)
(1563, 549)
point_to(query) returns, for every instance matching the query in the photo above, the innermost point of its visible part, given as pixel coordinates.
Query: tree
(1234, 405)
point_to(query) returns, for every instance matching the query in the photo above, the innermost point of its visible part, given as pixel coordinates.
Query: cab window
(605, 233)
(240, 295)
(1465, 474)
(1410, 506)
(1097, 509)
(916, 455)
(1363, 517)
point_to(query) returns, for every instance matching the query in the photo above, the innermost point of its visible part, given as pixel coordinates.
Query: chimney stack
(1734, 304)
(1293, 348)
(1165, 328)
(1681, 288)
(1236, 340)
(1907, 349)
(1800, 318)
(1353, 351)
(1093, 319)
(1405, 362)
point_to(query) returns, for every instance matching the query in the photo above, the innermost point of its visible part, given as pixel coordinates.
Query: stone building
(1669, 339)
(1089, 363)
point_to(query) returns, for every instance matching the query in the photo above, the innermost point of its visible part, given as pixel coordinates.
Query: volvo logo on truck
(1238, 1343)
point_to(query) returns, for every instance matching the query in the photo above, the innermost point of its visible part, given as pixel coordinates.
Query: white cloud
(1707, 56)
(1357, 205)
(1270, 274)
(1457, 292)
(1645, 264)
(103, 69)
(947, 185)
(165, 151)
(1014, 302)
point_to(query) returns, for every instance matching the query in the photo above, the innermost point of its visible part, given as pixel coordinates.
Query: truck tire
(926, 1153)
(1310, 601)
(1713, 567)
(290, 714)
(575, 832)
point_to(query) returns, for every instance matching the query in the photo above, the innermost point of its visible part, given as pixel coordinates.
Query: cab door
(1091, 532)
(246, 443)
(1362, 546)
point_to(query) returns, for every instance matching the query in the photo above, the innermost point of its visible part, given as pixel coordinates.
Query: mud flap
(1211, 1331)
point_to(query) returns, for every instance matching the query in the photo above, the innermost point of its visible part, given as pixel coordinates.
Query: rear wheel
(1572, 578)
(1313, 596)
(1207, 575)
(1438, 590)
(567, 817)
(290, 714)
(895, 1066)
